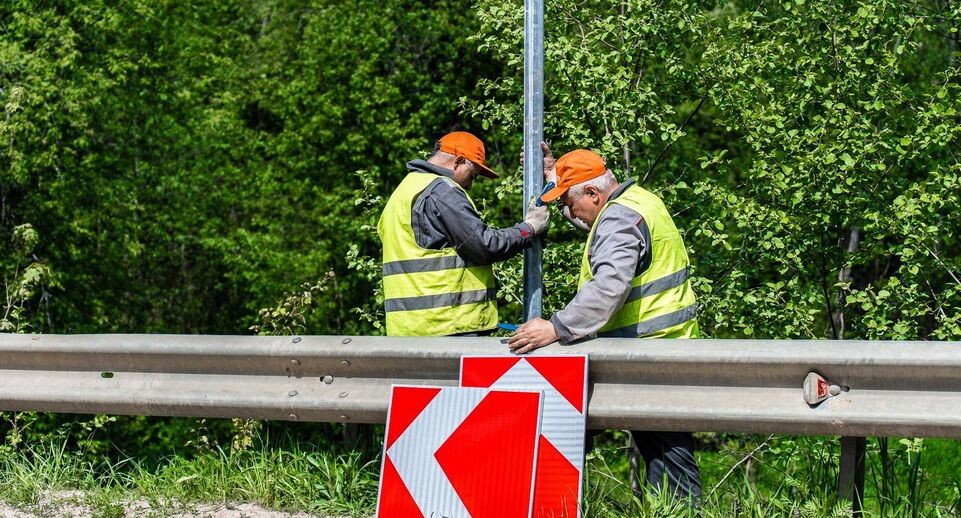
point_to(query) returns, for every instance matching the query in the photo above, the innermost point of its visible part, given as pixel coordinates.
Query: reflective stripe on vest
(655, 324)
(661, 301)
(437, 301)
(429, 292)
(430, 264)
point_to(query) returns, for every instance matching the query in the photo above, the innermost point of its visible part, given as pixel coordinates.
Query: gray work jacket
(443, 217)
(619, 252)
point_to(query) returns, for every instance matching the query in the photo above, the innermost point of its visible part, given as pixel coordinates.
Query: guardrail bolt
(345, 341)
(292, 393)
(328, 379)
(345, 363)
(344, 394)
(297, 339)
(295, 362)
(293, 417)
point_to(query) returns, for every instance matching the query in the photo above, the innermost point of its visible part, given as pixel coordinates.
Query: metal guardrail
(910, 389)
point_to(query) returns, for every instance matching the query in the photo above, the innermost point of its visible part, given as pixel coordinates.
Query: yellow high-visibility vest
(429, 292)
(661, 302)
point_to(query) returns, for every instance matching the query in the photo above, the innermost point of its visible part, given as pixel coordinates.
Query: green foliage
(760, 476)
(347, 482)
(286, 475)
(742, 475)
(370, 311)
(290, 315)
(844, 124)
(186, 164)
(807, 149)
(900, 479)
(26, 279)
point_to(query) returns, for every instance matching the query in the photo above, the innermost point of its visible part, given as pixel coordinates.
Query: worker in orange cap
(634, 283)
(437, 256)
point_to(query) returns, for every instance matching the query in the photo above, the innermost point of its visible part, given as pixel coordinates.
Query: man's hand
(550, 164)
(534, 334)
(537, 217)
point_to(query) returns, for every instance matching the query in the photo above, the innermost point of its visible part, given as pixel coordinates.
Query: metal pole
(851, 472)
(533, 135)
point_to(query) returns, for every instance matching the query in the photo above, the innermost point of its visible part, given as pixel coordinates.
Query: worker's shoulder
(446, 181)
(618, 214)
(444, 186)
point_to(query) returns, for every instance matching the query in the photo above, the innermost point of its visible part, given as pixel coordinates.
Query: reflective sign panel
(459, 452)
(563, 380)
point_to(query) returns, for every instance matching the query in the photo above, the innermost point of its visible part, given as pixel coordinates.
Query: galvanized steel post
(533, 135)
(851, 472)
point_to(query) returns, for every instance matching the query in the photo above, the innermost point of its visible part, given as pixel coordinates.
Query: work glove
(537, 217)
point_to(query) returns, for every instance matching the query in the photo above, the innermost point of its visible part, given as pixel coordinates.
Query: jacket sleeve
(619, 243)
(453, 215)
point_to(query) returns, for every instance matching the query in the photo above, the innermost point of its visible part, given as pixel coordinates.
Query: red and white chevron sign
(459, 452)
(560, 459)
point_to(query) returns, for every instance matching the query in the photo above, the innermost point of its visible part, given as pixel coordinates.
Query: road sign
(563, 380)
(459, 452)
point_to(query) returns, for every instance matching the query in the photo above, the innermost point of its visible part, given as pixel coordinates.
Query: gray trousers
(669, 457)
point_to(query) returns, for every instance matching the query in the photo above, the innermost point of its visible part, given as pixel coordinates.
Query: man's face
(584, 207)
(464, 172)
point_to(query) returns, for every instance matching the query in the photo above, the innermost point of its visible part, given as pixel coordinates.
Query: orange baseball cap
(575, 167)
(461, 143)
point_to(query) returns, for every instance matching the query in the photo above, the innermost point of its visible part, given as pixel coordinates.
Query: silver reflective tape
(439, 301)
(659, 285)
(652, 325)
(429, 264)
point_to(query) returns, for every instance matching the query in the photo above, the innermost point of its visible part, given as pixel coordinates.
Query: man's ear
(591, 191)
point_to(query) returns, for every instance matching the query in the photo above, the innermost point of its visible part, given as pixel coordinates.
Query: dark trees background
(184, 165)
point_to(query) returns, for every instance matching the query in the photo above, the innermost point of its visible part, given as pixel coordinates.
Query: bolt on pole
(533, 135)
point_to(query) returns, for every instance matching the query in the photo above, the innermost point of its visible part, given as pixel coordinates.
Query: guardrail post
(634, 461)
(851, 472)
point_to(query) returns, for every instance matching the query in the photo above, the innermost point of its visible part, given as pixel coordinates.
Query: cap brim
(554, 194)
(486, 171)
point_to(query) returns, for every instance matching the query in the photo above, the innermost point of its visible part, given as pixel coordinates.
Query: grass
(742, 475)
(287, 475)
(764, 476)
(280, 479)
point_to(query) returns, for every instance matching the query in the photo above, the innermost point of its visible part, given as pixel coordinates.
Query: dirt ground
(70, 504)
